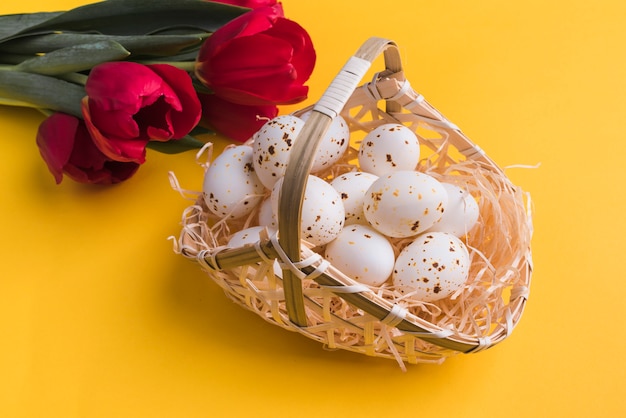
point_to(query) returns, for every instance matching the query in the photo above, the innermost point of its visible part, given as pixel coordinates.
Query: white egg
(323, 214)
(231, 187)
(267, 217)
(461, 213)
(404, 203)
(432, 267)
(246, 236)
(332, 146)
(352, 188)
(388, 148)
(362, 254)
(272, 144)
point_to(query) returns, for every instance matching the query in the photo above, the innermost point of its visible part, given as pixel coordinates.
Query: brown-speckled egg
(352, 187)
(267, 217)
(332, 146)
(363, 254)
(387, 148)
(231, 187)
(323, 215)
(432, 267)
(461, 213)
(404, 203)
(272, 145)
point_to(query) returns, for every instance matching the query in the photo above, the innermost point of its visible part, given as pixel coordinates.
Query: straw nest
(312, 297)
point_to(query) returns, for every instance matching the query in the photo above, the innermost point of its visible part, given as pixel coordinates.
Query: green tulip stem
(188, 66)
(75, 78)
(45, 112)
(17, 103)
(4, 101)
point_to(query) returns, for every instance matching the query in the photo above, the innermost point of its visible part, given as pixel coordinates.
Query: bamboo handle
(301, 158)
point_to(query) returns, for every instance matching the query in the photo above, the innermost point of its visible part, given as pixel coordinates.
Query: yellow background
(99, 318)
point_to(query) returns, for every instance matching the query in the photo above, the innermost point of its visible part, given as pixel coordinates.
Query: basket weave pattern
(313, 298)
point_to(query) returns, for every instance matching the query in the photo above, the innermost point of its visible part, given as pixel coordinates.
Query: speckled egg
(388, 148)
(231, 187)
(363, 254)
(352, 187)
(461, 213)
(332, 146)
(272, 144)
(404, 203)
(246, 236)
(432, 267)
(323, 214)
(267, 217)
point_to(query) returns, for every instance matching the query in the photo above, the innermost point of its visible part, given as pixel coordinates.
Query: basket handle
(301, 157)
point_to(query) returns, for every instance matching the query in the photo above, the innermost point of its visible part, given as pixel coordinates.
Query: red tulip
(252, 4)
(130, 104)
(238, 122)
(66, 147)
(259, 58)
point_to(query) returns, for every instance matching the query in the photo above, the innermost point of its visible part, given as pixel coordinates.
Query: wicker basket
(315, 299)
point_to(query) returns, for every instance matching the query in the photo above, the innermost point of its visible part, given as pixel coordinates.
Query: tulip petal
(130, 105)
(67, 148)
(252, 4)
(303, 52)
(251, 54)
(122, 86)
(55, 139)
(247, 24)
(233, 120)
(187, 116)
(261, 58)
(118, 123)
(263, 75)
(118, 149)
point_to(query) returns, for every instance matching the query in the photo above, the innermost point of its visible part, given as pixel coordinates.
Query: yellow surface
(98, 317)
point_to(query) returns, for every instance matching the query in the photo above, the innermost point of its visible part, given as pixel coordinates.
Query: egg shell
(267, 217)
(272, 145)
(432, 267)
(352, 187)
(231, 187)
(461, 213)
(404, 203)
(246, 236)
(323, 214)
(332, 146)
(388, 148)
(363, 254)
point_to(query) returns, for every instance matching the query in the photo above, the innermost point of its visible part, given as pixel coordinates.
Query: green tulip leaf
(41, 91)
(74, 59)
(201, 130)
(140, 17)
(13, 24)
(176, 146)
(157, 45)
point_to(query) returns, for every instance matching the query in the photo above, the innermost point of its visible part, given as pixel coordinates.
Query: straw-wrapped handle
(301, 158)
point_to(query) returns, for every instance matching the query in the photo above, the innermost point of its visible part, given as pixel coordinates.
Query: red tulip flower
(130, 104)
(252, 4)
(259, 58)
(67, 147)
(238, 122)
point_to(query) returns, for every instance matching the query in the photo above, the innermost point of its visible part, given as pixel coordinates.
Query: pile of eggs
(354, 218)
